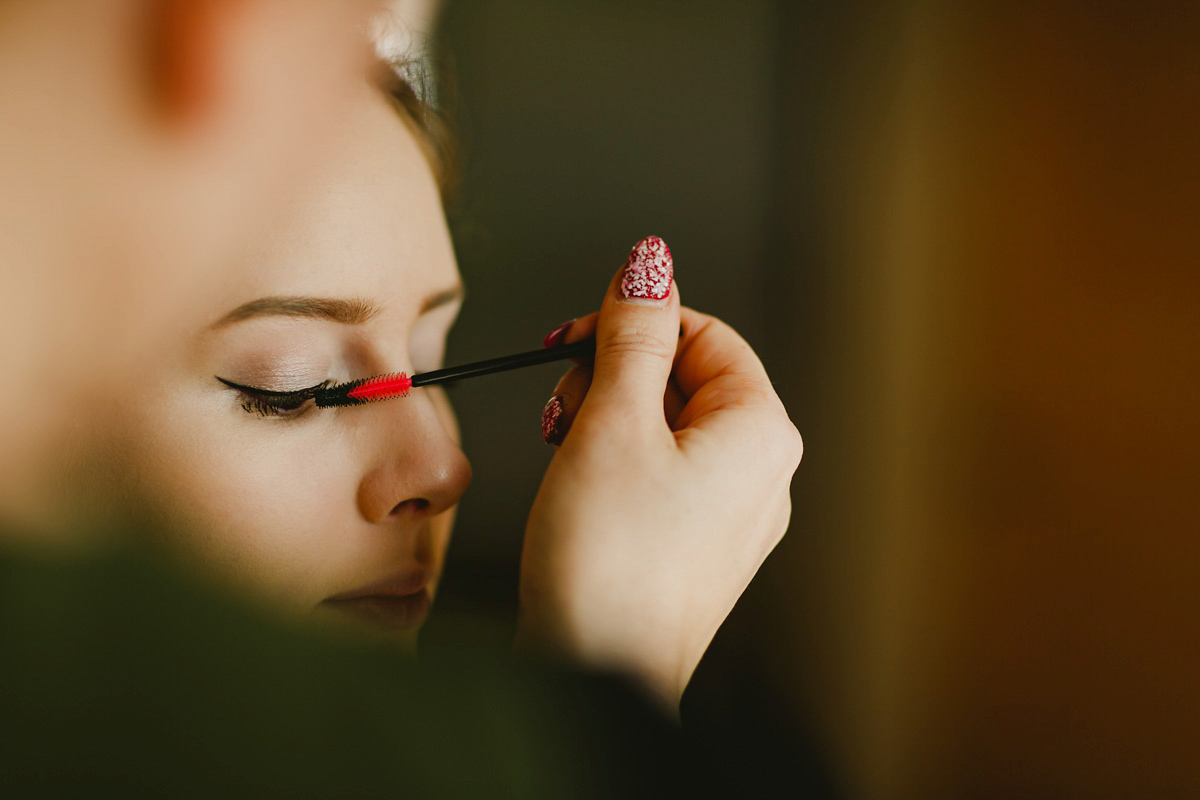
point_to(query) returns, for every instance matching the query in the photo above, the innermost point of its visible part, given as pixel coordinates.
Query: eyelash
(270, 403)
(286, 405)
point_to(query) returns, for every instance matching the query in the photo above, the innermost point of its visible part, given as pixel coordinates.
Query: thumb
(637, 332)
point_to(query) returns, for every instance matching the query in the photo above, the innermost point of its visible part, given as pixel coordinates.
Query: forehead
(366, 223)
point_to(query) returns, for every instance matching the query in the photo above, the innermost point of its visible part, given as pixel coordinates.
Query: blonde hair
(409, 86)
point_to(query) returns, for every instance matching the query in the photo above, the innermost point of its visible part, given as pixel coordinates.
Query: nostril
(416, 506)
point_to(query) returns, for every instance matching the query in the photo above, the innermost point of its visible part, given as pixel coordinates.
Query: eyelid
(271, 392)
(452, 308)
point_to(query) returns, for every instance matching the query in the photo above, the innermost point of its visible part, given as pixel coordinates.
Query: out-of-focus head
(144, 143)
(402, 30)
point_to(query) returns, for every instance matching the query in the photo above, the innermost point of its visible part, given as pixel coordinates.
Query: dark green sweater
(122, 676)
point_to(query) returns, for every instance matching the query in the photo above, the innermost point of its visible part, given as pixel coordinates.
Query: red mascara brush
(385, 387)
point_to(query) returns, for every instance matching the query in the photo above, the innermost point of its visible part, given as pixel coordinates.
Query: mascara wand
(385, 387)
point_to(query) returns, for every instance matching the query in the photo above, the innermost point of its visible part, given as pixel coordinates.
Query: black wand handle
(582, 349)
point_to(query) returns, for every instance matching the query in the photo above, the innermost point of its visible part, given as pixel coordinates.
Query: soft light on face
(345, 512)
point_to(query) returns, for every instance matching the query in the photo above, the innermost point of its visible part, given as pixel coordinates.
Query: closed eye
(273, 402)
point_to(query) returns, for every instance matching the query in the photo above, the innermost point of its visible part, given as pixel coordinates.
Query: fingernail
(554, 338)
(648, 271)
(551, 416)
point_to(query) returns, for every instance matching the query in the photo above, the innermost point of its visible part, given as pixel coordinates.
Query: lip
(398, 602)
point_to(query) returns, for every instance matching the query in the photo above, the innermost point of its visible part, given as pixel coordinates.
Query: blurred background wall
(963, 237)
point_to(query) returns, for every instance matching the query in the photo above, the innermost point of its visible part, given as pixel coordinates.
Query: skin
(669, 490)
(302, 506)
(145, 142)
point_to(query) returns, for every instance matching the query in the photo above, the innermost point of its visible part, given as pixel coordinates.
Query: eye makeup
(295, 402)
(398, 384)
(274, 403)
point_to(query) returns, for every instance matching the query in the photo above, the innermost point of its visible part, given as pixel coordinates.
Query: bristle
(355, 393)
(383, 387)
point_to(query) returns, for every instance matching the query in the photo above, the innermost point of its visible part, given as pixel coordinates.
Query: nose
(416, 468)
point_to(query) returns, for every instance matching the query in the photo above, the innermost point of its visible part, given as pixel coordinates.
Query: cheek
(259, 507)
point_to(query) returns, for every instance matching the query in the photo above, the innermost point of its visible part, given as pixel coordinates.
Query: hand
(667, 491)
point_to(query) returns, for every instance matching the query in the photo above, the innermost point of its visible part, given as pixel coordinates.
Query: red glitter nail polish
(551, 416)
(554, 338)
(648, 271)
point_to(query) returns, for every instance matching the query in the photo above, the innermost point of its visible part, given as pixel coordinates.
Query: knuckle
(721, 331)
(740, 390)
(795, 443)
(635, 342)
(785, 442)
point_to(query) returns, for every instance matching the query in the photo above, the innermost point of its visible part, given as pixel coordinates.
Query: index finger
(710, 349)
(730, 399)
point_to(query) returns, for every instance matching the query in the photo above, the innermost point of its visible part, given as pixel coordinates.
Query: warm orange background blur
(965, 238)
(1010, 600)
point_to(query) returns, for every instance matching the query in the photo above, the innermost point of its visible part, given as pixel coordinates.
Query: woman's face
(340, 512)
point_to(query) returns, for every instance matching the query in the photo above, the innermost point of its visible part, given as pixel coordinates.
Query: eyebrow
(443, 298)
(350, 311)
